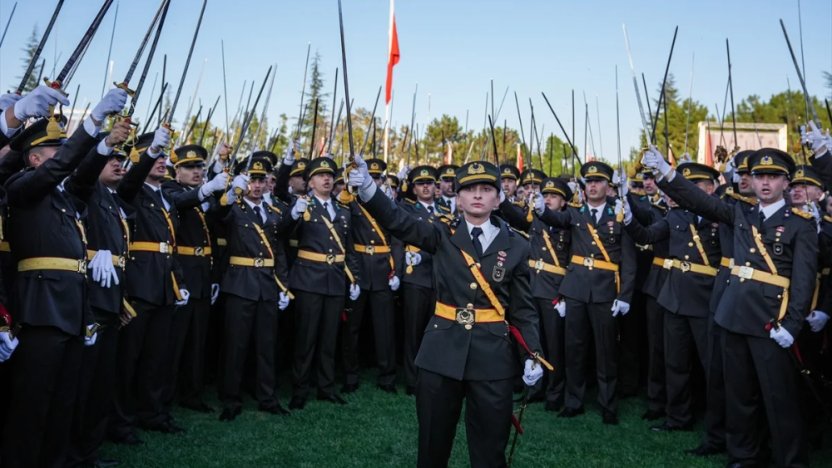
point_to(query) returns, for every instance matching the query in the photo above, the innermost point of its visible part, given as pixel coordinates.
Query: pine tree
(315, 91)
(28, 54)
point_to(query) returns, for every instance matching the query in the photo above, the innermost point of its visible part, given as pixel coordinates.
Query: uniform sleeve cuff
(90, 127)
(4, 127)
(103, 149)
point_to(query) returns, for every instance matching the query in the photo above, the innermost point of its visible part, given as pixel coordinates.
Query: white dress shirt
(489, 233)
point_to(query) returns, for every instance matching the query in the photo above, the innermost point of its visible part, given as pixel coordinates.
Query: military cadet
(531, 179)
(94, 183)
(186, 345)
(52, 322)
(339, 182)
(154, 287)
(482, 287)
(763, 307)
(326, 266)
(447, 193)
(254, 285)
(691, 263)
(549, 255)
(415, 268)
(393, 183)
(598, 288)
(508, 180)
(289, 181)
(378, 281)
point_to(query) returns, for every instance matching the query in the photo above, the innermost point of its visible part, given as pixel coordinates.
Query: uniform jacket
(192, 232)
(421, 274)
(374, 269)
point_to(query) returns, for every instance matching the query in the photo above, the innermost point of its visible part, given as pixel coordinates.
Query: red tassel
(344, 316)
(516, 423)
(5, 316)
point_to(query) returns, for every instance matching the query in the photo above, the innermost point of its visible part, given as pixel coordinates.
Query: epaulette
(409, 201)
(576, 205)
(802, 214)
(446, 219)
(342, 205)
(522, 234)
(827, 218)
(742, 198)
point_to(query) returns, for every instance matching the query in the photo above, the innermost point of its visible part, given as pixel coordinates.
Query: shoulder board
(338, 202)
(742, 198)
(409, 201)
(827, 218)
(446, 219)
(802, 213)
(517, 231)
(576, 205)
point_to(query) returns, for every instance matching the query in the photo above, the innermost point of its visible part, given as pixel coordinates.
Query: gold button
(473, 285)
(747, 263)
(690, 244)
(752, 250)
(687, 257)
(593, 242)
(468, 326)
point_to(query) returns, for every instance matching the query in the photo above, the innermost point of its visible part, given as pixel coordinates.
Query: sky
(452, 49)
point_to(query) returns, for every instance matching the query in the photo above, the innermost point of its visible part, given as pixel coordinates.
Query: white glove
(90, 339)
(8, 99)
(283, 302)
(102, 269)
(619, 308)
(623, 186)
(7, 345)
(161, 140)
(355, 291)
(531, 372)
(412, 258)
(301, 205)
(389, 192)
(218, 166)
(781, 336)
(539, 204)
(214, 185)
(655, 160)
(402, 175)
(560, 307)
(394, 283)
(289, 154)
(817, 320)
(819, 142)
(38, 102)
(360, 176)
(112, 103)
(240, 182)
(185, 294)
(215, 292)
(628, 212)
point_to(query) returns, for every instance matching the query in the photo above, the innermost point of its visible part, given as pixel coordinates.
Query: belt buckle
(259, 262)
(199, 251)
(746, 272)
(668, 263)
(371, 249)
(330, 259)
(466, 316)
(684, 266)
(82, 267)
(538, 265)
(589, 262)
(164, 247)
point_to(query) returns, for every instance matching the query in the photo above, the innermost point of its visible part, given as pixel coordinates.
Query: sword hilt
(123, 85)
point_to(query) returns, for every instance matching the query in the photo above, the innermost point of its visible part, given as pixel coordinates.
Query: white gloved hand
(819, 142)
(817, 320)
(214, 185)
(300, 207)
(289, 154)
(532, 372)
(8, 99)
(389, 192)
(91, 336)
(215, 292)
(412, 258)
(283, 301)
(38, 102)
(355, 291)
(240, 182)
(185, 294)
(560, 307)
(655, 160)
(394, 283)
(102, 269)
(628, 212)
(161, 140)
(112, 103)
(781, 336)
(619, 308)
(360, 176)
(7, 345)
(624, 186)
(539, 204)
(403, 172)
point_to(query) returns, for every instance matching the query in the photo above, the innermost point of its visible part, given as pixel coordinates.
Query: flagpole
(387, 104)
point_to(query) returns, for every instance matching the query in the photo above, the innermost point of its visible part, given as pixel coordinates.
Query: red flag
(393, 58)
(709, 152)
(519, 158)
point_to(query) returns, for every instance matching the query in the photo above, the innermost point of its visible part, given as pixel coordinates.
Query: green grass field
(378, 429)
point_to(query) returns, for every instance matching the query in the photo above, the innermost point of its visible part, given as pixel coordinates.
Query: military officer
(447, 195)
(508, 180)
(531, 179)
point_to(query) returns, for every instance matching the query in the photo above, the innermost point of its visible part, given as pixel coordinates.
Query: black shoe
(349, 388)
(409, 390)
(274, 408)
(129, 438)
(571, 412)
(609, 418)
(389, 388)
(297, 403)
(229, 414)
(705, 450)
(669, 427)
(553, 405)
(332, 398)
(652, 415)
(198, 406)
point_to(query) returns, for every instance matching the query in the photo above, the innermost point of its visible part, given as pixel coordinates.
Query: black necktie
(257, 213)
(326, 208)
(475, 238)
(762, 217)
(430, 209)
(594, 212)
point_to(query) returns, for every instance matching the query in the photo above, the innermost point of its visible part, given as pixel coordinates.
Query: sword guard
(123, 85)
(55, 85)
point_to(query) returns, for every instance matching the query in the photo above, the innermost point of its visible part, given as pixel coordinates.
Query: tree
(315, 92)
(28, 54)
(681, 117)
(787, 107)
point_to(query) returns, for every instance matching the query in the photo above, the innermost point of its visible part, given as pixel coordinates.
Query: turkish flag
(519, 158)
(393, 58)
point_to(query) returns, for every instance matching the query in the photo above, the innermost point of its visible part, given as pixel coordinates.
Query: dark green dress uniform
(374, 249)
(467, 351)
(418, 289)
(692, 265)
(447, 172)
(550, 248)
(107, 229)
(152, 284)
(255, 276)
(319, 280)
(194, 252)
(591, 285)
(650, 275)
(286, 172)
(760, 376)
(49, 245)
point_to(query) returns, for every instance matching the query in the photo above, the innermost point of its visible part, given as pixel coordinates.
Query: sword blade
(33, 62)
